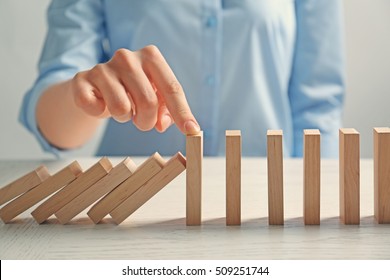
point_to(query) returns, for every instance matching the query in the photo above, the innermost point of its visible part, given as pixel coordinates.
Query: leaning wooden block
(349, 176)
(142, 174)
(43, 190)
(23, 184)
(382, 174)
(312, 176)
(116, 176)
(71, 191)
(194, 154)
(233, 177)
(275, 177)
(171, 170)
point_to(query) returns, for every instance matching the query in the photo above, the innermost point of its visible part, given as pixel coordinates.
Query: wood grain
(382, 174)
(142, 174)
(349, 174)
(23, 184)
(71, 191)
(194, 155)
(312, 176)
(43, 190)
(275, 177)
(171, 170)
(157, 230)
(116, 176)
(233, 177)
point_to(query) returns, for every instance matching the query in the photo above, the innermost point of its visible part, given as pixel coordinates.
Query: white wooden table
(158, 231)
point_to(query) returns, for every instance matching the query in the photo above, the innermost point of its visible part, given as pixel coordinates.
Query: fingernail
(191, 127)
(122, 119)
(166, 122)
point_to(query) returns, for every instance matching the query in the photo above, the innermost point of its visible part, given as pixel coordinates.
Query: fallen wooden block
(23, 184)
(275, 177)
(43, 190)
(115, 177)
(142, 174)
(194, 154)
(349, 175)
(382, 174)
(71, 191)
(312, 176)
(171, 170)
(233, 177)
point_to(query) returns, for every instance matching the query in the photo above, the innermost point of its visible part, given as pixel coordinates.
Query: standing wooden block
(275, 177)
(382, 174)
(312, 176)
(171, 170)
(71, 191)
(142, 174)
(349, 176)
(43, 190)
(233, 177)
(23, 184)
(116, 176)
(194, 154)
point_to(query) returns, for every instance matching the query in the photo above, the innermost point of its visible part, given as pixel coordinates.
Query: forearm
(60, 121)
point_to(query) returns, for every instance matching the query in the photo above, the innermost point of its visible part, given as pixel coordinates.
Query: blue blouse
(250, 65)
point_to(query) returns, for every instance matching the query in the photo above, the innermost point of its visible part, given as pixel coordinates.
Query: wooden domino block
(233, 177)
(43, 190)
(275, 177)
(116, 176)
(142, 174)
(171, 170)
(23, 184)
(311, 177)
(71, 191)
(194, 154)
(349, 176)
(382, 174)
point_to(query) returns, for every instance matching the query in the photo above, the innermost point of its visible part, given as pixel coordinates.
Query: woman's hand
(136, 85)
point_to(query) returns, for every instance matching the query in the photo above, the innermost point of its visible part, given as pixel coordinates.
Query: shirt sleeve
(316, 88)
(74, 42)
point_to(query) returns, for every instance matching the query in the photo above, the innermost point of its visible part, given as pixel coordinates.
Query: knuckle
(151, 52)
(125, 59)
(97, 72)
(121, 54)
(183, 112)
(81, 99)
(120, 109)
(148, 103)
(78, 77)
(77, 82)
(80, 91)
(173, 88)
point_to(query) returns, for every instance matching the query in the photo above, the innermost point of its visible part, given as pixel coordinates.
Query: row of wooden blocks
(121, 189)
(349, 176)
(124, 188)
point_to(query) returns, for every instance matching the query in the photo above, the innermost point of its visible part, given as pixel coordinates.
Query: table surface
(158, 231)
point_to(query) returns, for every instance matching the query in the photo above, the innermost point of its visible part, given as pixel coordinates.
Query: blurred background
(367, 30)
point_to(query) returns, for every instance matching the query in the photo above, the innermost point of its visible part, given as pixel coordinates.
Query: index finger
(170, 89)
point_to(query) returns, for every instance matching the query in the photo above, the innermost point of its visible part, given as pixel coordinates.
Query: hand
(136, 85)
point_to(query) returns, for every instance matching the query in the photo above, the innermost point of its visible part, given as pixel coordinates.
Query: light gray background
(367, 29)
